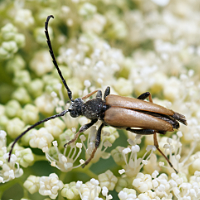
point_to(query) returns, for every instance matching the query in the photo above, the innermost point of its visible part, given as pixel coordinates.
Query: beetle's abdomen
(122, 118)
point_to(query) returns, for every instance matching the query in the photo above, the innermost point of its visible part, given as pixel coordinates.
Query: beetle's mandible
(135, 115)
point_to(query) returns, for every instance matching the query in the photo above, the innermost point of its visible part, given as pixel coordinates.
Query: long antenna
(33, 126)
(63, 80)
(54, 59)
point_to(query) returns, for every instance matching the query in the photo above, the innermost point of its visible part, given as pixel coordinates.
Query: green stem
(39, 158)
(62, 176)
(5, 186)
(91, 174)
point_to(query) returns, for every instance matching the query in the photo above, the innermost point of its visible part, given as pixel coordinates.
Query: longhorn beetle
(147, 118)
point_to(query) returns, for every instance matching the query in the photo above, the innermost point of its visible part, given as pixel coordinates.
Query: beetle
(133, 114)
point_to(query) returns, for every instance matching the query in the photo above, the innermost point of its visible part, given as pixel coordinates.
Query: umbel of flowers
(131, 46)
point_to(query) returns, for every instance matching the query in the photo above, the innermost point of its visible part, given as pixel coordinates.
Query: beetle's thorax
(94, 109)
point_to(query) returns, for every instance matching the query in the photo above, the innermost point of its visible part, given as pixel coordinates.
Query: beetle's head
(75, 107)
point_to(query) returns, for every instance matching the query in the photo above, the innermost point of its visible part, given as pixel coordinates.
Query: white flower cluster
(9, 170)
(50, 186)
(55, 127)
(108, 180)
(41, 63)
(41, 139)
(22, 14)
(44, 104)
(45, 185)
(103, 60)
(131, 164)
(91, 190)
(64, 161)
(12, 41)
(161, 187)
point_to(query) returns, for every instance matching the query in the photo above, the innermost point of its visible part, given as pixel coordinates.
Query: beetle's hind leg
(141, 131)
(145, 95)
(90, 94)
(107, 92)
(99, 94)
(157, 147)
(97, 142)
(82, 129)
(149, 132)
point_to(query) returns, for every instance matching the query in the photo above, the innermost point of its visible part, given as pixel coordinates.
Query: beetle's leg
(157, 147)
(97, 142)
(99, 94)
(90, 94)
(145, 95)
(82, 129)
(149, 132)
(107, 92)
(141, 131)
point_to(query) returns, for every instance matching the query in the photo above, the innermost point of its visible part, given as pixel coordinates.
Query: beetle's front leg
(82, 129)
(97, 142)
(145, 95)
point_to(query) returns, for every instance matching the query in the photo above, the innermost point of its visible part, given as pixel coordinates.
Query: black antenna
(54, 59)
(64, 82)
(33, 126)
